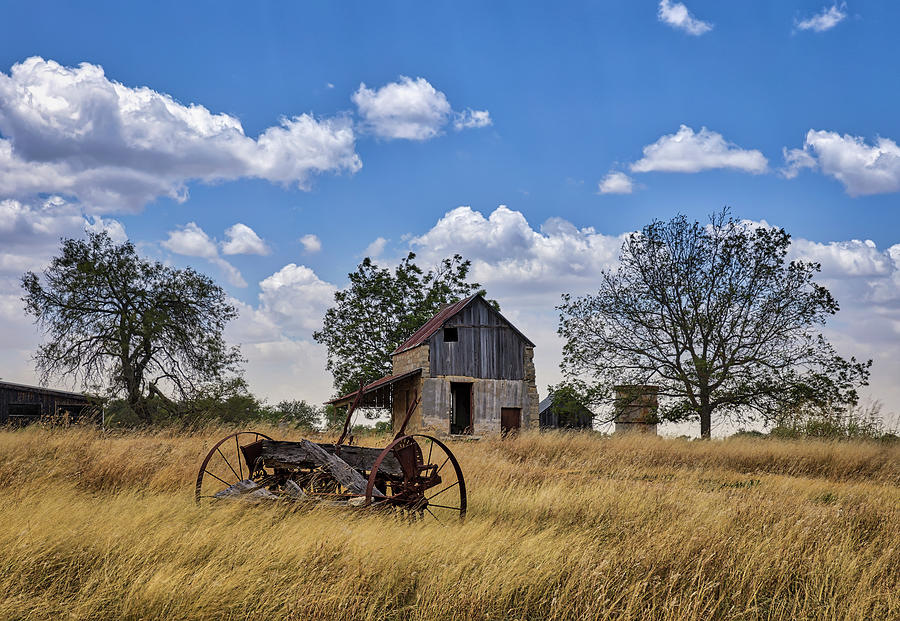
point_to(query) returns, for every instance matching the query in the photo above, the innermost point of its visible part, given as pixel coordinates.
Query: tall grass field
(97, 525)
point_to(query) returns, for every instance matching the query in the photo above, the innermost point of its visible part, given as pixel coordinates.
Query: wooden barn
(21, 404)
(554, 416)
(472, 370)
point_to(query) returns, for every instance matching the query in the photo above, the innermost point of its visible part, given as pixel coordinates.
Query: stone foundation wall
(530, 414)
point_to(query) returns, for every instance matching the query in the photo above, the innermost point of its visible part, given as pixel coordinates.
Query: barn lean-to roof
(40, 389)
(383, 382)
(436, 323)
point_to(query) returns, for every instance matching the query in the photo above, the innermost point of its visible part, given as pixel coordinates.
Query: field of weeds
(560, 526)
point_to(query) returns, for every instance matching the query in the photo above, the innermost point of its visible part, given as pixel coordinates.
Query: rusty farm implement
(414, 474)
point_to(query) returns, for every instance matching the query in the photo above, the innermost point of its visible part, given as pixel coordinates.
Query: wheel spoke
(431, 504)
(430, 448)
(238, 450)
(442, 491)
(442, 465)
(215, 477)
(229, 464)
(435, 517)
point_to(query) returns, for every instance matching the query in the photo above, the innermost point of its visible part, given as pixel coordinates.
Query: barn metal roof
(41, 389)
(435, 323)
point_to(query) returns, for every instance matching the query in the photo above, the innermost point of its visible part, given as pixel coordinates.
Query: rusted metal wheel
(226, 464)
(432, 486)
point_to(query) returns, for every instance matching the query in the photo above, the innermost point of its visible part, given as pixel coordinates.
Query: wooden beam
(342, 472)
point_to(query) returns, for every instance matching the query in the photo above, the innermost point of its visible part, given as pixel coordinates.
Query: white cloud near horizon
(863, 169)
(411, 109)
(826, 19)
(616, 182)
(243, 240)
(688, 152)
(72, 131)
(192, 241)
(296, 298)
(677, 15)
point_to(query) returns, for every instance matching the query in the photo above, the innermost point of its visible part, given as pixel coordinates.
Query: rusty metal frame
(409, 411)
(350, 410)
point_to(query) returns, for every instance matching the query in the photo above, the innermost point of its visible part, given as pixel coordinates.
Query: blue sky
(549, 100)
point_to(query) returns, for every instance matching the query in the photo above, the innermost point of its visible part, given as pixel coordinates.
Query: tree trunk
(705, 422)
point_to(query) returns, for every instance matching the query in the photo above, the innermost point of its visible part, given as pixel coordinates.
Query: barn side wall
(488, 397)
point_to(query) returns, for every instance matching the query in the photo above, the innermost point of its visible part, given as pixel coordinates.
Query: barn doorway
(510, 420)
(460, 407)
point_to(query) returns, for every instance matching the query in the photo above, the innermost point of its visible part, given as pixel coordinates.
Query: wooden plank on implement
(296, 454)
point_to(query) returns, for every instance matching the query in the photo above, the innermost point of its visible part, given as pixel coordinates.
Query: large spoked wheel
(432, 486)
(226, 465)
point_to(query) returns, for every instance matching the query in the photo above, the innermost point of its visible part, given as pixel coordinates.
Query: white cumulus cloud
(411, 110)
(30, 232)
(295, 298)
(511, 257)
(616, 182)
(243, 240)
(688, 152)
(113, 228)
(75, 132)
(676, 15)
(192, 241)
(826, 19)
(375, 249)
(311, 244)
(796, 160)
(471, 119)
(861, 167)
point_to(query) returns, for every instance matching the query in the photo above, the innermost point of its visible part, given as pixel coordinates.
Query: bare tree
(113, 319)
(717, 317)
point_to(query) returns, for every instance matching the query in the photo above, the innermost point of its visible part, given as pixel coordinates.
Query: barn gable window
(451, 335)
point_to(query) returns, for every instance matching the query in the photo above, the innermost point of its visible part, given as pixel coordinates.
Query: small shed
(573, 416)
(21, 404)
(471, 370)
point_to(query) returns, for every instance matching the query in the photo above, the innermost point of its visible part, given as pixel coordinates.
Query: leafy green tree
(717, 317)
(137, 327)
(299, 414)
(382, 308)
(334, 418)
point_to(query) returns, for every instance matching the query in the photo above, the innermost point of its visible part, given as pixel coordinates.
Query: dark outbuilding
(21, 404)
(572, 416)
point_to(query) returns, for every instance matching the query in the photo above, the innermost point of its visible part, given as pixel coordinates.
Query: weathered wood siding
(49, 403)
(488, 397)
(488, 347)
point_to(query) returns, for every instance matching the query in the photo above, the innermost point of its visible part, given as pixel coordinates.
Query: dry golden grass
(96, 526)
